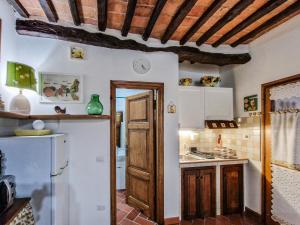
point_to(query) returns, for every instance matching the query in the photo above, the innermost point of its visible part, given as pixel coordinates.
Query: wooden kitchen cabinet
(232, 189)
(198, 192)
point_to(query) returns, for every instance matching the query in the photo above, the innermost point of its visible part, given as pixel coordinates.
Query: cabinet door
(207, 192)
(191, 107)
(232, 189)
(218, 104)
(189, 193)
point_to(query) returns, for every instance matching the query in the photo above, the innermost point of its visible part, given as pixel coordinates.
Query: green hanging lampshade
(20, 76)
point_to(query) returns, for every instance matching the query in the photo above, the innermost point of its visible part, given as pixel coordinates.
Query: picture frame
(77, 53)
(60, 88)
(251, 103)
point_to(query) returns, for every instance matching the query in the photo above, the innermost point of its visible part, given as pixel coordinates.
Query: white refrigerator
(40, 165)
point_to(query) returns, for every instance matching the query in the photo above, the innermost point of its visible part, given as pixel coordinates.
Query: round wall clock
(141, 65)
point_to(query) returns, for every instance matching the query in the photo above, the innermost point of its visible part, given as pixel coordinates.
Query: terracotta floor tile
(143, 221)
(121, 215)
(133, 214)
(128, 222)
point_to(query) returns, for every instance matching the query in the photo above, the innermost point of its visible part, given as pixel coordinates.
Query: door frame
(266, 197)
(159, 196)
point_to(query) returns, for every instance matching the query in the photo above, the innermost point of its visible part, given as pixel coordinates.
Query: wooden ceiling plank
(274, 20)
(102, 14)
(49, 10)
(265, 9)
(230, 15)
(19, 8)
(179, 16)
(154, 16)
(129, 15)
(75, 12)
(46, 30)
(202, 20)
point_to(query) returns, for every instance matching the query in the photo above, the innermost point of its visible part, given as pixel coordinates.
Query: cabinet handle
(119, 167)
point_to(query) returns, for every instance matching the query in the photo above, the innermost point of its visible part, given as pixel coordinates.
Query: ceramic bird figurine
(60, 110)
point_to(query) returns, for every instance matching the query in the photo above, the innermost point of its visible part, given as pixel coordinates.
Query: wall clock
(141, 65)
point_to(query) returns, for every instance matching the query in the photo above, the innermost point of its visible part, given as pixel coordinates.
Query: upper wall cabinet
(197, 104)
(218, 103)
(191, 107)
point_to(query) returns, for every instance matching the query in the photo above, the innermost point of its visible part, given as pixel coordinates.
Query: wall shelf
(18, 116)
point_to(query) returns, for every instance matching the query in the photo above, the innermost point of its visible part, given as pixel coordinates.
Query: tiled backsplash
(245, 140)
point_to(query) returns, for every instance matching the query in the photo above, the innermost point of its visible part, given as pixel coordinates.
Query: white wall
(89, 140)
(275, 55)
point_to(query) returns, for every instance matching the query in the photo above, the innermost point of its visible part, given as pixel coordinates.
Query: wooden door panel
(139, 142)
(138, 110)
(190, 178)
(207, 190)
(232, 190)
(140, 176)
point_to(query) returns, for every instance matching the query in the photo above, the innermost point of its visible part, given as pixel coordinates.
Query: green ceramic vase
(94, 107)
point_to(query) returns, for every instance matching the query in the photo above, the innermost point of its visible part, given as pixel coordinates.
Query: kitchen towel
(285, 195)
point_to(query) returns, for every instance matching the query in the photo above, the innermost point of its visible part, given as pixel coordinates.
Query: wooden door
(140, 167)
(199, 192)
(232, 189)
(189, 193)
(207, 192)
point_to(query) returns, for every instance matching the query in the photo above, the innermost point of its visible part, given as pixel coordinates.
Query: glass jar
(94, 107)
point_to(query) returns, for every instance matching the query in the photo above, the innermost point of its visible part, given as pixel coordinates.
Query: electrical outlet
(100, 207)
(99, 159)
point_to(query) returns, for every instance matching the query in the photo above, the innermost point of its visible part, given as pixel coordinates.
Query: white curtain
(285, 144)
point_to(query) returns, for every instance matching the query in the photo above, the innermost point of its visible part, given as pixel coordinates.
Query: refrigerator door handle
(57, 174)
(64, 167)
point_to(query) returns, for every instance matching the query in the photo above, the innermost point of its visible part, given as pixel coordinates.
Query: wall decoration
(171, 108)
(56, 88)
(251, 103)
(77, 53)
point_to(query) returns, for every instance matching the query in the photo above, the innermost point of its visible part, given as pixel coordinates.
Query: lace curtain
(285, 131)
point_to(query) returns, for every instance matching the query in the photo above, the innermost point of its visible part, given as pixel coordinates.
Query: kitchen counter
(190, 161)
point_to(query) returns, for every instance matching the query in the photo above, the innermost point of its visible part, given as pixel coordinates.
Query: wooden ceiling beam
(75, 12)
(154, 16)
(265, 9)
(128, 18)
(19, 8)
(202, 20)
(49, 10)
(230, 15)
(45, 30)
(179, 16)
(271, 22)
(102, 14)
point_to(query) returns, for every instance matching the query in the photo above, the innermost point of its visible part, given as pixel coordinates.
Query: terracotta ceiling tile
(117, 6)
(89, 3)
(143, 10)
(147, 2)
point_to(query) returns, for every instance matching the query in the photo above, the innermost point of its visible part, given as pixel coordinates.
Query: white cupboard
(191, 107)
(218, 103)
(197, 104)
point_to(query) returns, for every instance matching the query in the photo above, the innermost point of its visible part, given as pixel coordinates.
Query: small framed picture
(251, 103)
(78, 53)
(57, 88)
